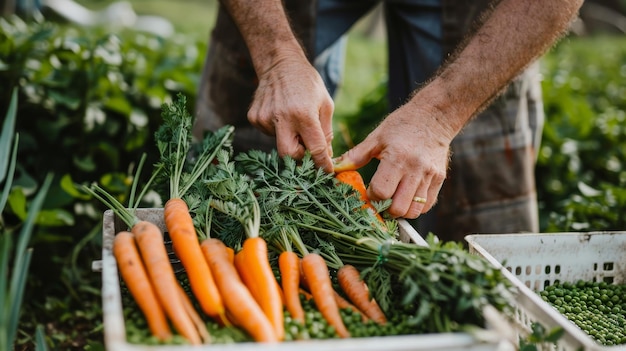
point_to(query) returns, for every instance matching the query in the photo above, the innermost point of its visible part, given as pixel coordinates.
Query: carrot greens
(442, 286)
(248, 209)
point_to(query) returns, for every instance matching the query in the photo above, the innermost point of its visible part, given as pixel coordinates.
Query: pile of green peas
(316, 327)
(595, 307)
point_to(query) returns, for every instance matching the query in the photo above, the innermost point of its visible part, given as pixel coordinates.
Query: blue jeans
(414, 41)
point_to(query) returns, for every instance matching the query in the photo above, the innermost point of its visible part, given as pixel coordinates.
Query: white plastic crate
(535, 261)
(115, 332)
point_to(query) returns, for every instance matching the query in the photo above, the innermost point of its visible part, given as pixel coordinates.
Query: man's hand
(413, 160)
(292, 103)
(413, 142)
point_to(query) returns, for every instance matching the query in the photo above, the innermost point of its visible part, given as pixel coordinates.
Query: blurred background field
(89, 103)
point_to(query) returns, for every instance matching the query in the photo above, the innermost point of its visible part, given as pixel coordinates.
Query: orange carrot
(307, 295)
(316, 272)
(258, 265)
(341, 302)
(289, 266)
(152, 249)
(195, 317)
(187, 247)
(134, 275)
(355, 288)
(231, 254)
(245, 274)
(237, 298)
(355, 179)
(345, 304)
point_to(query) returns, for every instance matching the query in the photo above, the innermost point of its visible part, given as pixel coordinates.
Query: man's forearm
(514, 35)
(265, 28)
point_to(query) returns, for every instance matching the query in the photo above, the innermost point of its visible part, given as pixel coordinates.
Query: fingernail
(341, 164)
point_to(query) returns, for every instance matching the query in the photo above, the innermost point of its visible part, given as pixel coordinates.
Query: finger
(261, 122)
(407, 200)
(386, 181)
(426, 195)
(317, 145)
(357, 157)
(433, 191)
(326, 121)
(289, 144)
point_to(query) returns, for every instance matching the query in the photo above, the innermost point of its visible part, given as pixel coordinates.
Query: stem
(205, 161)
(328, 231)
(322, 207)
(309, 214)
(124, 214)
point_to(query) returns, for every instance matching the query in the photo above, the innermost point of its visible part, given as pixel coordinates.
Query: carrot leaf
(182, 160)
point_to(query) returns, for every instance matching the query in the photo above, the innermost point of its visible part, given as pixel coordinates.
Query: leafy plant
(88, 105)
(540, 337)
(14, 258)
(580, 169)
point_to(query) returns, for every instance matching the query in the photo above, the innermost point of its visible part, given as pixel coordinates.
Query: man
(490, 184)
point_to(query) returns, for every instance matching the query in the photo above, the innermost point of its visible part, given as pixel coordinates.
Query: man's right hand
(292, 103)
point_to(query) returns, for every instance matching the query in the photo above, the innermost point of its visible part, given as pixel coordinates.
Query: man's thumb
(353, 159)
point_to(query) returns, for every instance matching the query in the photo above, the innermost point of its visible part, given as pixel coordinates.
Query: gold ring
(421, 200)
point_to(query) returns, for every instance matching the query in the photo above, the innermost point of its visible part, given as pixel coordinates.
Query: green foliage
(540, 338)
(580, 167)
(15, 257)
(89, 104)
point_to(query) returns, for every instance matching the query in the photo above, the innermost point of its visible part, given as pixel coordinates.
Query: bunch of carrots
(230, 285)
(237, 288)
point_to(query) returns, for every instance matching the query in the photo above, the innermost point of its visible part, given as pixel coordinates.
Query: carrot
(355, 288)
(355, 179)
(195, 317)
(230, 253)
(307, 295)
(289, 266)
(174, 143)
(187, 247)
(244, 274)
(246, 277)
(257, 262)
(316, 272)
(345, 304)
(342, 303)
(152, 249)
(134, 275)
(237, 298)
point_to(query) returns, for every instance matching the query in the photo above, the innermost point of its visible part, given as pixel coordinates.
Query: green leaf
(6, 135)
(85, 163)
(9, 179)
(22, 262)
(17, 202)
(64, 98)
(55, 218)
(119, 104)
(67, 184)
(40, 339)
(555, 334)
